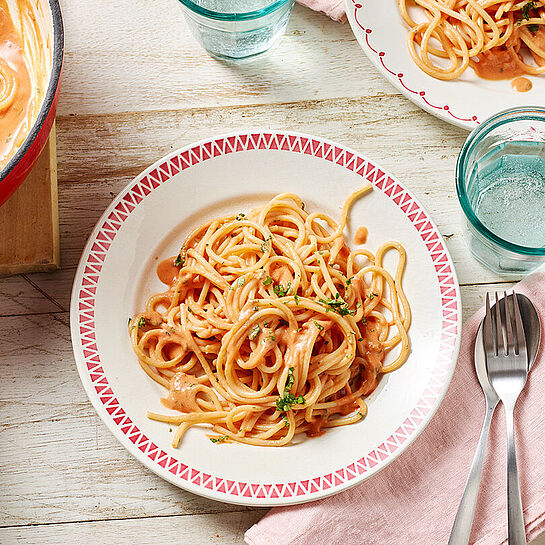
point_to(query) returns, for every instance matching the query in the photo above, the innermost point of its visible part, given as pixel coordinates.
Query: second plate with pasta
(466, 100)
(287, 347)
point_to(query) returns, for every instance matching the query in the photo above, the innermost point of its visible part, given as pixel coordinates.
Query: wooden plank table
(135, 86)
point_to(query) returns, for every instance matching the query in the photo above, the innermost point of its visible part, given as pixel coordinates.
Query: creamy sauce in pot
(25, 65)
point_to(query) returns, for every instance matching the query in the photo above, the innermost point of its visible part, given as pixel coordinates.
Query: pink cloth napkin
(332, 8)
(415, 498)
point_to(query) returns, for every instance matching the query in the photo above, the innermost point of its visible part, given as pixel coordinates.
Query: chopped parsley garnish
(280, 291)
(296, 299)
(141, 323)
(267, 281)
(349, 281)
(318, 325)
(360, 339)
(255, 331)
(372, 295)
(533, 28)
(241, 282)
(220, 439)
(526, 9)
(285, 420)
(283, 404)
(364, 320)
(240, 217)
(179, 261)
(265, 245)
(273, 338)
(338, 305)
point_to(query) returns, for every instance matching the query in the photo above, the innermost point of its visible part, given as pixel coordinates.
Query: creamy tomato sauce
(496, 64)
(361, 235)
(25, 68)
(16, 88)
(182, 393)
(167, 272)
(521, 85)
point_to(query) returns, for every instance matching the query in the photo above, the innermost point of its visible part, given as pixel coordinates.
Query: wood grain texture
(29, 220)
(135, 87)
(142, 57)
(202, 529)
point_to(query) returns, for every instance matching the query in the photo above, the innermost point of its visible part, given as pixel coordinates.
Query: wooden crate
(29, 220)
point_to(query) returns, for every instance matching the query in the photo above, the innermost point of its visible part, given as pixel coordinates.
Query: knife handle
(461, 529)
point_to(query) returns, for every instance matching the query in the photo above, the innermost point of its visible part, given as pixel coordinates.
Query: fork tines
(503, 331)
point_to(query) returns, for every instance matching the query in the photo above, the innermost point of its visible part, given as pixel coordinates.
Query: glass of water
(500, 179)
(236, 29)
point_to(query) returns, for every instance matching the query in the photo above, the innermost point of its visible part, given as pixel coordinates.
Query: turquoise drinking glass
(237, 29)
(500, 180)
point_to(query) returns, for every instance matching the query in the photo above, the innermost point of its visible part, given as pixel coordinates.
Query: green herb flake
(273, 338)
(241, 282)
(179, 261)
(349, 281)
(220, 439)
(285, 420)
(265, 245)
(533, 28)
(364, 320)
(360, 339)
(284, 404)
(280, 291)
(526, 9)
(142, 323)
(240, 217)
(266, 324)
(318, 325)
(255, 331)
(372, 295)
(338, 305)
(296, 299)
(267, 281)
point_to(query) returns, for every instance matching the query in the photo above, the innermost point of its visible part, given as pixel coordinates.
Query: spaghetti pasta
(499, 39)
(271, 326)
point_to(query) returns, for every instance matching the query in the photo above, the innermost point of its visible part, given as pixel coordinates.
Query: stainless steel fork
(507, 366)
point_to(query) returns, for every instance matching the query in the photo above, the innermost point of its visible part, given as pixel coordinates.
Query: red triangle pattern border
(293, 143)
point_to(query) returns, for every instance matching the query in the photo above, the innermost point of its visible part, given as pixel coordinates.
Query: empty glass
(236, 29)
(500, 179)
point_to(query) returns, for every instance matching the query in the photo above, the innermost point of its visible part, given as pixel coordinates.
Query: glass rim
(504, 117)
(227, 16)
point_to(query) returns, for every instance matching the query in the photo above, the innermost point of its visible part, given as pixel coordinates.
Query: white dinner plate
(465, 102)
(148, 221)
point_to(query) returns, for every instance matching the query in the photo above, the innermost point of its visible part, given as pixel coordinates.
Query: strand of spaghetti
(292, 345)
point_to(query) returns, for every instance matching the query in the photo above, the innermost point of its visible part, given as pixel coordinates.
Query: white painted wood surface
(136, 86)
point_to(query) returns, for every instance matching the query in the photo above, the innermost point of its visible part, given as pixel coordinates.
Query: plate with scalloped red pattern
(466, 101)
(148, 219)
